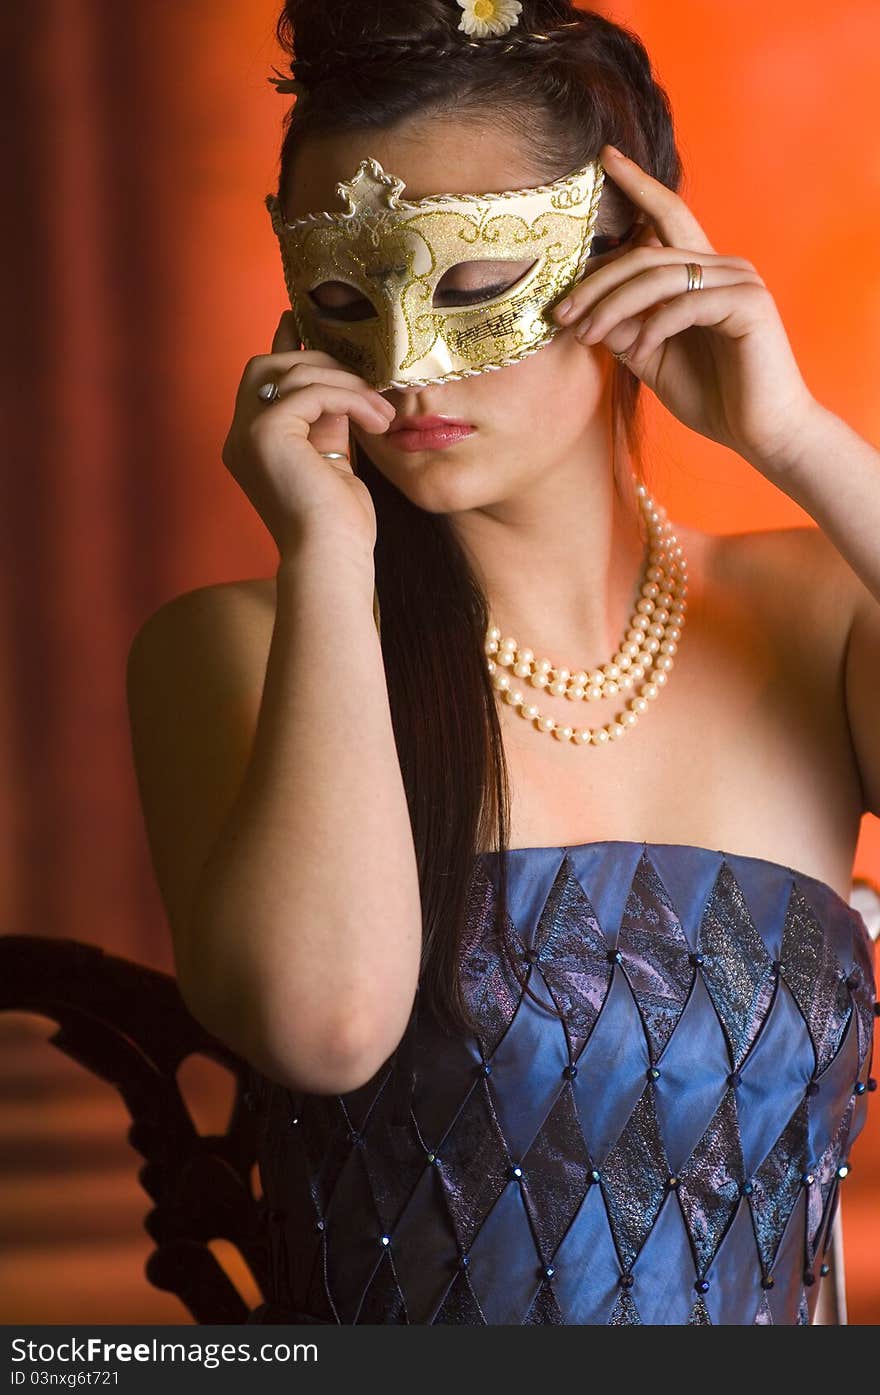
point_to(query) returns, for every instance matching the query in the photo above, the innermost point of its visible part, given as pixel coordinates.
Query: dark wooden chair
(127, 1024)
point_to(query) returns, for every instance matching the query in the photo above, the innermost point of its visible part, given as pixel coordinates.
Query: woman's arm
(834, 474)
(297, 925)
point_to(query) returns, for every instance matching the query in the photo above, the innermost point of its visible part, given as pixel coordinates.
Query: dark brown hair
(371, 64)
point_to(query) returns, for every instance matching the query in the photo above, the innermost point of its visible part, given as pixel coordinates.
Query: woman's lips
(427, 433)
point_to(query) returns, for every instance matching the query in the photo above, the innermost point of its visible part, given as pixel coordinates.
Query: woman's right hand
(273, 449)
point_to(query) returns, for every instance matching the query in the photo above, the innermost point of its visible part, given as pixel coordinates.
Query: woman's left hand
(718, 358)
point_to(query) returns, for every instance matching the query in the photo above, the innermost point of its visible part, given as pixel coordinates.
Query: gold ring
(695, 276)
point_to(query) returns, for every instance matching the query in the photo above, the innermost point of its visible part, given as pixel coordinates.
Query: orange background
(142, 275)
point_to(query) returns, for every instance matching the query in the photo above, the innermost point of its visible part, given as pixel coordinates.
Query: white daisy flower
(480, 18)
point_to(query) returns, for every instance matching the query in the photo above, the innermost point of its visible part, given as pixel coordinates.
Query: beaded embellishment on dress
(669, 1152)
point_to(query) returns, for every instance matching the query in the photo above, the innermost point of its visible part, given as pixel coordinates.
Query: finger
(286, 337)
(261, 363)
(670, 215)
(640, 294)
(264, 368)
(302, 373)
(730, 310)
(589, 292)
(307, 405)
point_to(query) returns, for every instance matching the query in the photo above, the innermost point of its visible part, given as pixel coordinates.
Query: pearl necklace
(650, 643)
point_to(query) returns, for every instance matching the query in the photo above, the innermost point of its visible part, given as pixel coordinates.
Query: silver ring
(268, 392)
(332, 455)
(695, 276)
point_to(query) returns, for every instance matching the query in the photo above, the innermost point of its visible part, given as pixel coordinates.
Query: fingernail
(619, 153)
(584, 327)
(564, 309)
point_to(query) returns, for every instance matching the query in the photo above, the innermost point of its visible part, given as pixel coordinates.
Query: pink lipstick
(427, 433)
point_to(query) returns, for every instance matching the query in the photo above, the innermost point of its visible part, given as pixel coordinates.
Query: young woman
(500, 741)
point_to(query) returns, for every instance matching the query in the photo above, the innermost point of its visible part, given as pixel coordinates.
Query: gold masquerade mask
(393, 252)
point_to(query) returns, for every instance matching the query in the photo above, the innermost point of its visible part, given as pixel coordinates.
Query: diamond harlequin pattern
(652, 1133)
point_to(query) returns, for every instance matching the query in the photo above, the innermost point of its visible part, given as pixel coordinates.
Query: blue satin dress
(669, 1151)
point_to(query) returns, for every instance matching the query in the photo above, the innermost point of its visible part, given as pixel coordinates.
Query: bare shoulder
(796, 575)
(231, 618)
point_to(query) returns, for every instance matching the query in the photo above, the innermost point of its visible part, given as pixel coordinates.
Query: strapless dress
(668, 1151)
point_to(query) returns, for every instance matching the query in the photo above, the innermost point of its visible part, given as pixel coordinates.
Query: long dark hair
(564, 96)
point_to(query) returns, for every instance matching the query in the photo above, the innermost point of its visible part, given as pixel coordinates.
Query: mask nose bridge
(389, 281)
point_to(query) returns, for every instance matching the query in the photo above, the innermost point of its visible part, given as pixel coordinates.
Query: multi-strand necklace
(642, 662)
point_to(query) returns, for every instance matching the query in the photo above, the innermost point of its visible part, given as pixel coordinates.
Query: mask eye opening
(353, 311)
(482, 296)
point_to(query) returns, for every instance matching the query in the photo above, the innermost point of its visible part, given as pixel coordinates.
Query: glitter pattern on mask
(671, 1154)
(393, 252)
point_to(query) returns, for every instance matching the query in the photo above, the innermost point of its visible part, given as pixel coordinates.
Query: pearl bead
(649, 647)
